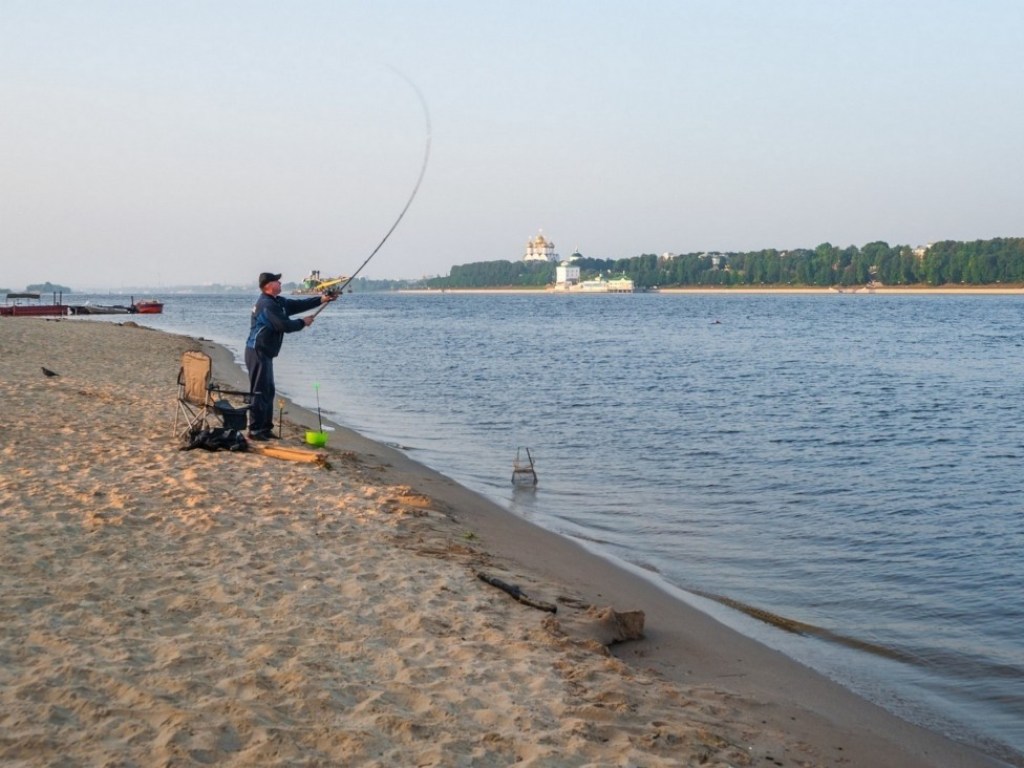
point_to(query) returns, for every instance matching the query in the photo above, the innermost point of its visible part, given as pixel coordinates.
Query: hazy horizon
(190, 142)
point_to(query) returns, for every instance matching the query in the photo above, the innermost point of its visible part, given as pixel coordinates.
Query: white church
(539, 249)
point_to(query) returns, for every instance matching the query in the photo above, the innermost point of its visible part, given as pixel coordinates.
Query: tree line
(40, 288)
(979, 262)
(496, 274)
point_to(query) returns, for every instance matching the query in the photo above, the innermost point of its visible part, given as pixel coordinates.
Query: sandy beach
(168, 607)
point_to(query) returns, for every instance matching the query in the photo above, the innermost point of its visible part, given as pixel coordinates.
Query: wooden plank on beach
(287, 453)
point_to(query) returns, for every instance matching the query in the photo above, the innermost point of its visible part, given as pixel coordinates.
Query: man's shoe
(259, 436)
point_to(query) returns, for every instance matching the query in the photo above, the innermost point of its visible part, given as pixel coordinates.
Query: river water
(849, 465)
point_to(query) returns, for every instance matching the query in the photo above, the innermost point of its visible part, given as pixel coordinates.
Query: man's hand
(327, 298)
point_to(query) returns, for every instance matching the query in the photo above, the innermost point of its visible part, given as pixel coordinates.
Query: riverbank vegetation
(949, 262)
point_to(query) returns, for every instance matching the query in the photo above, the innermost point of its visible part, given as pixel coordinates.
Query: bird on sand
(48, 373)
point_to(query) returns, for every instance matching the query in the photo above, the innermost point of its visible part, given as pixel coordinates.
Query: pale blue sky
(174, 142)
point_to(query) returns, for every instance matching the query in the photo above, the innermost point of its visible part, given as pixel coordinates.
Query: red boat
(149, 307)
(16, 307)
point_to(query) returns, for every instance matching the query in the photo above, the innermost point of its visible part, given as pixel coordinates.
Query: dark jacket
(272, 319)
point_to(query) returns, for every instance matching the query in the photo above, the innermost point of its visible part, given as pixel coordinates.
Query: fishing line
(408, 203)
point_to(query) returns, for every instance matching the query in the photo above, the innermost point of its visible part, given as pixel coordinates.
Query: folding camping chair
(199, 398)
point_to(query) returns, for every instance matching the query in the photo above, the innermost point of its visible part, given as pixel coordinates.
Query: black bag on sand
(217, 439)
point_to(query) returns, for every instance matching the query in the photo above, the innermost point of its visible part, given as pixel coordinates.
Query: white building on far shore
(566, 276)
(599, 284)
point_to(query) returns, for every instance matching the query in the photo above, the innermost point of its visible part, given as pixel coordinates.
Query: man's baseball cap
(268, 277)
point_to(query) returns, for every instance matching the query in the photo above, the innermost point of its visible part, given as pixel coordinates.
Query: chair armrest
(224, 391)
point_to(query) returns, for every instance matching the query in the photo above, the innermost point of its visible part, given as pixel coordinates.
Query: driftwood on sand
(517, 593)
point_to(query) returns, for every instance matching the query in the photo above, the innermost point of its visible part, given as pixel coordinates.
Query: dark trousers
(261, 381)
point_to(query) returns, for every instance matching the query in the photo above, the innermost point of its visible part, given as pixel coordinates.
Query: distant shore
(862, 291)
(913, 290)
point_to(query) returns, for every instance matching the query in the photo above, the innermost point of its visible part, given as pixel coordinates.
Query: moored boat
(99, 309)
(17, 306)
(602, 284)
(147, 307)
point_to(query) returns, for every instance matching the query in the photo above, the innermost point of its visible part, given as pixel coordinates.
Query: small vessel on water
(99, 309)
(314, 284)
(147, 307)
(29, 305)
(601, 284)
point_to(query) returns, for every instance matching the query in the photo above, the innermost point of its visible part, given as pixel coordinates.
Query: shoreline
(691, 686)
(751, 670)
(789, 291)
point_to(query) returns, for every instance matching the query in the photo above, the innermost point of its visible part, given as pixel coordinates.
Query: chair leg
(191, 419)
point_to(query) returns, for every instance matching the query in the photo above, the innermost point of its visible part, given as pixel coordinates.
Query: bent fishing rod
(330, 284)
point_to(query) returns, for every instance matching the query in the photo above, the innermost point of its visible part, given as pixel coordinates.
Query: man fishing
(272, 316)
(271, 320)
